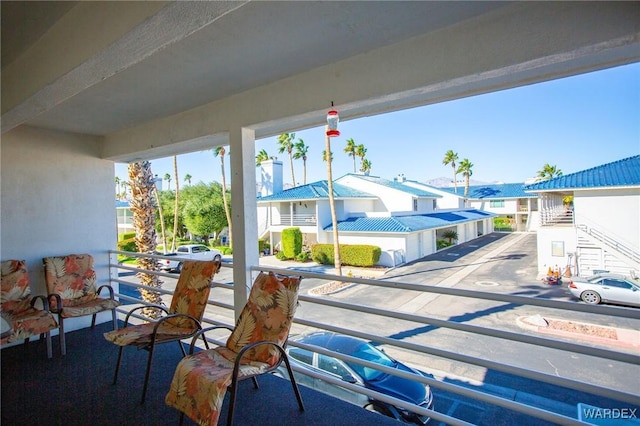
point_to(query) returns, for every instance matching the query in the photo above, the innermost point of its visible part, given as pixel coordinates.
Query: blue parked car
(397, 387)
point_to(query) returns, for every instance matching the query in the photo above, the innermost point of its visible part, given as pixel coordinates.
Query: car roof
(332, 341)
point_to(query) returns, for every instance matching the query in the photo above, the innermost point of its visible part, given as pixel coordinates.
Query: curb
(628, 339)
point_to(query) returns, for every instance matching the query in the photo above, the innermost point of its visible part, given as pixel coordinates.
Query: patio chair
(71, 284)
(255, 347)
(20, 318)
(182, 319)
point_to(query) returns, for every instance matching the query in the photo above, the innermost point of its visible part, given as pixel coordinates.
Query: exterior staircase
(599, 252)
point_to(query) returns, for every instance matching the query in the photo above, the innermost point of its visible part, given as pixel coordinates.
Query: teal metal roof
(621, 173)
(407, 224)
(492, 191)
(396, 185)
(315, 191)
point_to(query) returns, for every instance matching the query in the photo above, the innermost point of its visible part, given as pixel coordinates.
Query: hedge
(291, 242)
(350, 254)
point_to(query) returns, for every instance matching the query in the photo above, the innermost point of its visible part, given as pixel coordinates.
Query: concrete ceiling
(243, 46)
(168, 72)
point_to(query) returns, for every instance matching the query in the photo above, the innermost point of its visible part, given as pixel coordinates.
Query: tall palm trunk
(163, 228)
(224, 198)
(175, 205)
(455, 178)
(334, 218)
(143, 209)
(293, 178)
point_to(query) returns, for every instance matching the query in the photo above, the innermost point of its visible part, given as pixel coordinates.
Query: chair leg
(232, 400)
(184, 353)
(181, 419)
(115, 319)
(93, 321)
(63, 343)
(115, 376)
(255, 382)
(146, 376)
(294, 385)
(49, 348)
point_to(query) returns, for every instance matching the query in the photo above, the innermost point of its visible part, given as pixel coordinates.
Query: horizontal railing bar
(519, 300)
(445, 324)
(382, 397)
(496, 400)
(475, 329)
(491, 365)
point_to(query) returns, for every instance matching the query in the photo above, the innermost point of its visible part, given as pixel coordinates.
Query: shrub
(291, 242)
(350, 254)
(440, 244)
(281, 256)
(304, 256)
(450, 235)
(128, 245)
(126, 236)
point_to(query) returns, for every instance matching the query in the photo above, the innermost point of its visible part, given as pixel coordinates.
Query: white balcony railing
(362, 319)
(296, 220)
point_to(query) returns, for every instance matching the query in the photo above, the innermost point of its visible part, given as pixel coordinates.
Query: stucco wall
(622, 223)
(563, 239)
(57, 199)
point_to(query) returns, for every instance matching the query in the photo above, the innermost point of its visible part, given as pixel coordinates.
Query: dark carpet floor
(77, 390)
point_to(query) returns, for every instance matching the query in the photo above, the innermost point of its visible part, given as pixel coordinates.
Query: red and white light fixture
(332, 123)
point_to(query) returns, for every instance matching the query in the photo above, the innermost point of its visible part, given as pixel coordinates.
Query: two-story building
(600, 230)
(404, 221)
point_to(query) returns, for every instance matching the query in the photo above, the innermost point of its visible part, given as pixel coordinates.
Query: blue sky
(573, 123)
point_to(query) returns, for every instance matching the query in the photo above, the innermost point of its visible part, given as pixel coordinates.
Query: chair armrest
(159, 322)
(58, 300)
(108, 287)
(236, 365)
(162, 308)
(43, 299)
(201, 332)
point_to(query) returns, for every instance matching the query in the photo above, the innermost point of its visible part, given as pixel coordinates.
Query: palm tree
(361, 151)
(350, 149)
(125, 185)
(301, 152)
(465, 168)
(167, 177)
(142, 206)
(285, 141)
(324, 155)
(549, 172)
(175, 206)
(451, 157)
(262, 156)
(117, 188)
(334, 217)
(163, 228)
(365, 167)
(221, 151)
(187, 178)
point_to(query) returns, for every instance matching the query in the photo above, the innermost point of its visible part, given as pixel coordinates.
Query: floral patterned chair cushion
(73, 278)
(181, 322)
(190, 298)
(17, 306)
(201, 380)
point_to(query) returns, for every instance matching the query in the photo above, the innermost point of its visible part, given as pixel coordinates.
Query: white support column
(244, 214)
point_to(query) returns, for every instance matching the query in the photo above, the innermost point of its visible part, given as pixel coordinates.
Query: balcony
(296, 220)
(532, 397)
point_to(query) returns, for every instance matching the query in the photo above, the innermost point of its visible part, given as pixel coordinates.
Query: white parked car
(607, 288)
(188, 252)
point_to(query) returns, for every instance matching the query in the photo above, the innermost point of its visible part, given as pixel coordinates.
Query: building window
(496, 203)
(557, 248)
(415, 205)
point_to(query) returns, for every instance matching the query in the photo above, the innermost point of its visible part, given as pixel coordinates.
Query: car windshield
(369, 353)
